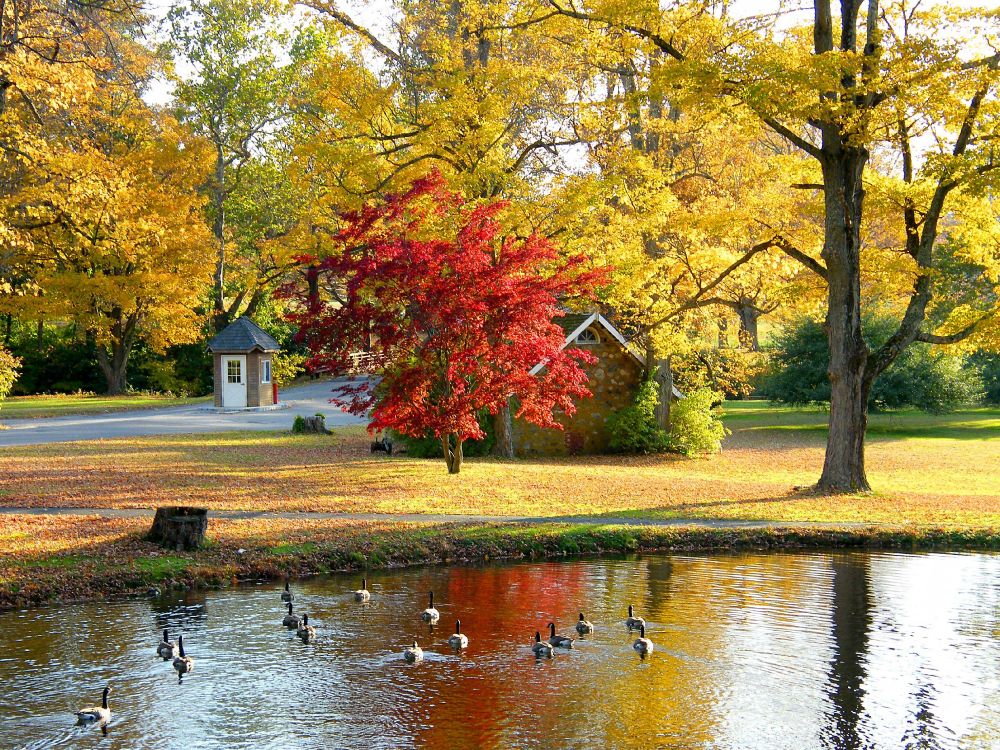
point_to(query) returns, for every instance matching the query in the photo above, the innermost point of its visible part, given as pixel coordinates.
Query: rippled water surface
(839, 650)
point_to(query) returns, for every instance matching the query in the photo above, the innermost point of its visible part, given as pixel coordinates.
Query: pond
(752, 650)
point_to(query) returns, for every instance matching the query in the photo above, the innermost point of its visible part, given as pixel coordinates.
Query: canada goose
(305, 631)
(183, 663)
(287, 595)
(413, 653)
(290, 621)
(458, 639)
(430, 614)
(363, 594)
(99, 713)
(166, 649)
(632, 622)
(540, 647)
(558, 640)
(642, 644)
(584, 626)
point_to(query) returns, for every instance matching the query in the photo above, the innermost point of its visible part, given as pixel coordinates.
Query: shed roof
(243, 335)
(575, 323)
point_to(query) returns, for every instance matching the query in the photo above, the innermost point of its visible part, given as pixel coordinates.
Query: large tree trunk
(113, 359)
(220, 316)
(114, 369)
(665, 392)
(452, 452)
(503, 428)
(844, 465)
(749, 315)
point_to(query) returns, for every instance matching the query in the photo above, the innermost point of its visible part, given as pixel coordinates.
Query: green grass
(162, 566)
(969, 423)
(64, 405)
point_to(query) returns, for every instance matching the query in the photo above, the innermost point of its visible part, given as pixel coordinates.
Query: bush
(695, 426)
(921, 376)
(430, 446)
(987, 364)
(634, 429)
(299, 424)
(9, 365)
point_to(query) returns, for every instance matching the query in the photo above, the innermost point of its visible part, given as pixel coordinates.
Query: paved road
(436, 518)
(306, 400)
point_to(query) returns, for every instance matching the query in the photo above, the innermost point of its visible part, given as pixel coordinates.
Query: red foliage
(453, 316)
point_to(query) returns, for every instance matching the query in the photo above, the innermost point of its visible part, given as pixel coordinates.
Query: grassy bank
(66, 405)
(929, 470)
(58, 558)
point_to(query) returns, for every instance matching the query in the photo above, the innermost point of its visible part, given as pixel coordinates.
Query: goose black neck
(289, 608)
(581, 617)
(458, 627)
(180, 644)
(430, 598)
(305, 620)
(538, 637)
(630, 610)
(104, 698)
(364, 583)
(642, 631)
(286, 585)
(552, 628)
(166, 637)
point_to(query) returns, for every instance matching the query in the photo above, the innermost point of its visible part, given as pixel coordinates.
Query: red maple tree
(452, 316)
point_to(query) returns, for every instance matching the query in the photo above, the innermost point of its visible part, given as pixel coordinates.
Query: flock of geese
(184, 664)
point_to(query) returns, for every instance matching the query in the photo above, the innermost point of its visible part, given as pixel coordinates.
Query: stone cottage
(241, 354)
(613, 380)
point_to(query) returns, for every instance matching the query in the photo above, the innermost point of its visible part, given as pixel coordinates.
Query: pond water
(757, 650)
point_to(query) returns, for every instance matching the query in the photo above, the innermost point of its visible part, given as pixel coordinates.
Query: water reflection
(846, 650)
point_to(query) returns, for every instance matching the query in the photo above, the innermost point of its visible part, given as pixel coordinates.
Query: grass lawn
(64, 405)
(926, 470)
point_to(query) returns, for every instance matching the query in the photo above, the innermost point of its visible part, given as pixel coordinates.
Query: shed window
(588, 336)
(265, 371)
(234, 372)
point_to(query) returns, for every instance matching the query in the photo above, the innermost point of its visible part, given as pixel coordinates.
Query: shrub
(695, 426)
(286, 366)
(988, 366)
(922, 376)
(299, 424)
(634, 429)
(9, 365)
(430, 446)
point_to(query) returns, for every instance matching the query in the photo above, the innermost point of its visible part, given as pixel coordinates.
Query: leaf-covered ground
(937, 470)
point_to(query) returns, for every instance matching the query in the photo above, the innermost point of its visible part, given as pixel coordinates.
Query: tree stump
(179, 527)
(315, 425)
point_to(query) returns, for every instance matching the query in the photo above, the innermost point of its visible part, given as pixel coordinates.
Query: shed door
(234, 381)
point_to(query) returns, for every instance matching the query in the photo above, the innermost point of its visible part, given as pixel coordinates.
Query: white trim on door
(234, 381)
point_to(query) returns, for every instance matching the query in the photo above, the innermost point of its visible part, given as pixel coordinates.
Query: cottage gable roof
(243, 335)
(576, 323)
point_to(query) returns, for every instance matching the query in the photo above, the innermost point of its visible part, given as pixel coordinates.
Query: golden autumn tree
(893, 104)
(104, 227)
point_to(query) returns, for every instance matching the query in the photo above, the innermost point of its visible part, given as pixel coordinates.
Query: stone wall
(613, 380)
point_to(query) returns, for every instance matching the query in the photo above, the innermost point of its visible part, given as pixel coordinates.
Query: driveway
(305, 400)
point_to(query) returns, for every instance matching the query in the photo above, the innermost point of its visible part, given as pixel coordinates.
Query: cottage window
(234, 372)
(588, 336)
(265, 371)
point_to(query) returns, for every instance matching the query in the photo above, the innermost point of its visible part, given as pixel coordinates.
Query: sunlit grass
(60, 405)
(926, 469)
